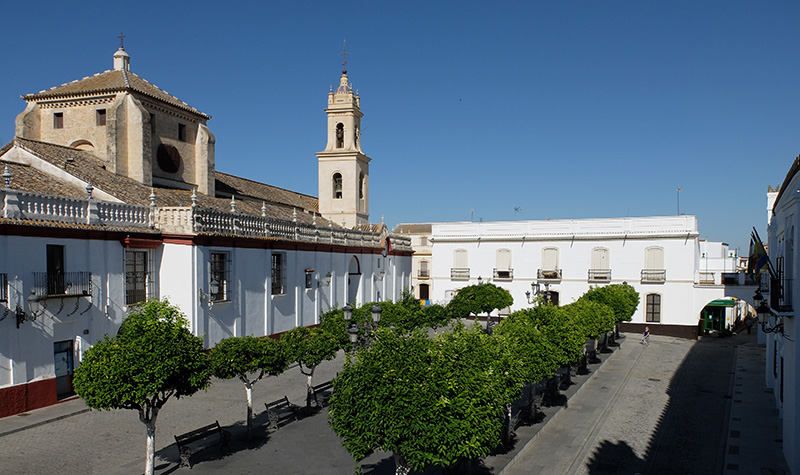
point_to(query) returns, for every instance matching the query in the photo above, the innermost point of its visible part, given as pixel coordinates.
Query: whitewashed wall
(783, 238)
(625, 238)
(26, 353)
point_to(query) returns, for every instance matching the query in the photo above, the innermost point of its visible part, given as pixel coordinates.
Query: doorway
(353, 281)
(63, 355)
(424, 292)
(55, 269)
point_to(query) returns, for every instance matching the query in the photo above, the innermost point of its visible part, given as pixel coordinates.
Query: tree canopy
(153, 357)
(238, 357)
(477, 299)
(592, 317)
(432, 401)
(622, 298)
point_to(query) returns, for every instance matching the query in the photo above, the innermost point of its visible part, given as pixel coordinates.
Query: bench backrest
(199, 434)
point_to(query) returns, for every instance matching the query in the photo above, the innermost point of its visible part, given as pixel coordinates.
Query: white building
(420, 236)
(659, 256)
(111, 196)
(782, 356)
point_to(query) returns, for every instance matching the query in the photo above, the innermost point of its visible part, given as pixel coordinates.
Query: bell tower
(343, 166)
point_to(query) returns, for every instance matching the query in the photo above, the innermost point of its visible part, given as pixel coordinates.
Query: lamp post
(764, 312)
(361, 337)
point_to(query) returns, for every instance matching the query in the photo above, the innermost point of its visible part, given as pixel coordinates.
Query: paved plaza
(633, 414)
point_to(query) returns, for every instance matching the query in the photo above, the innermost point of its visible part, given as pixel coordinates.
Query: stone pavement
(662, 408)
(754, 443)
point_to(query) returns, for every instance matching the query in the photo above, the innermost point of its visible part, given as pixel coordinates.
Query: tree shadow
(691, 432)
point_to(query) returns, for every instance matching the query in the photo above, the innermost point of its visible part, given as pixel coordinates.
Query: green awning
(722, 303)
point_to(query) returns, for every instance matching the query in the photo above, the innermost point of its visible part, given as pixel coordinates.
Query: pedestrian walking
(645, 336)
(748, 321)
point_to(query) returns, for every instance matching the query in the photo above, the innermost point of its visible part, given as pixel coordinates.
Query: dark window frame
(58, 120)
(182, 132)
(100, 117)
(137, 276)
(338, 186)
(278, 273)
(219, 271)
(653, 308)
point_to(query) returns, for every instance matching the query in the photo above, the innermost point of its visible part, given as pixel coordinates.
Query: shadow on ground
(691, 431)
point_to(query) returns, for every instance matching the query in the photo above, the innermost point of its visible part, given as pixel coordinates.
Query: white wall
(26, 353)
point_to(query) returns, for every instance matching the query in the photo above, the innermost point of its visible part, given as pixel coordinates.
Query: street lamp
(480, 280)
(376, 314)
(764, 312)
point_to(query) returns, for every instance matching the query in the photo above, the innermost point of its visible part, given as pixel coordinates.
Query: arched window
(362, 183)
(337, 186)
(339, 135)
(653, 308)
(599, 271)
(550, 258)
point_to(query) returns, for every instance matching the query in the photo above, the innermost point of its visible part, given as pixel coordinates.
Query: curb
(511, 464)
(46, 421)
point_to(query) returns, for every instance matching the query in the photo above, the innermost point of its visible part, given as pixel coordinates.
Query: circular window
(168, 158)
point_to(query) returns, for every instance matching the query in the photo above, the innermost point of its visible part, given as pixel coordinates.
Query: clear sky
(560, 109)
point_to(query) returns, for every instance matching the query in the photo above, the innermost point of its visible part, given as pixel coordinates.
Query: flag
(758, 258)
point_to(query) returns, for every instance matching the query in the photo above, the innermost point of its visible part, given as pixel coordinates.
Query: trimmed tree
(152, 358)
(249, 359)
(309, 347)
(431, 402)
(477, 299)
(622, 298)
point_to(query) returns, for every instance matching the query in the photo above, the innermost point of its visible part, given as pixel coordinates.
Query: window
(653, 308)
(100, 116)
(278, 274)
(152, 124)
(136, 277)
(599, 270)
(309, 278)
(423, 240)
(424, 272)
(339, 135)
(182, 132)
(3, 287)
(55, 270)
(460, 270)
(550, 258)
(219, 288)
(58, 120)
(362, 182)
(502, 269)
(337, 186)
(654, 258)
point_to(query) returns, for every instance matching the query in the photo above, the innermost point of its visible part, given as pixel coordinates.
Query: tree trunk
(150, 454)
(310, 396)
(400, 465)
(248, 389)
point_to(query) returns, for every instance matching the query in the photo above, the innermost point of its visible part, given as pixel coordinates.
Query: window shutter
(503, 259)
(550, 258)
(460, 260)
(600, 258)
(654, 258)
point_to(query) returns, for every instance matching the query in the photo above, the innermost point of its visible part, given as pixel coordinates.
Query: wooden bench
(320, 389)
(210, 430)
(280, 413)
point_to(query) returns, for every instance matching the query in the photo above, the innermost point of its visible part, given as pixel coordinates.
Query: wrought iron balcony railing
(780, 294)
(62, 284)
(549, 274)
(424, 274)
(459, 273)
(503, 274)
(654, 276)
(599, 275)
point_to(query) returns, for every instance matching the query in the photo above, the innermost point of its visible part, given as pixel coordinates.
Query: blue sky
(563, 109)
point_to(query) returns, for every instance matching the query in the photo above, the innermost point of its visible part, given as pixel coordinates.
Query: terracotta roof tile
(113, 81)
(231, 184)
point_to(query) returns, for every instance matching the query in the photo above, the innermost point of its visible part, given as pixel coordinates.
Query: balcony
(780, 295)
(599, 275)
(423, 274)
(64, 284)
(4, 288)
(654, 276)
(503, 274)
(459, 273)
(549, 275)
(706, 278)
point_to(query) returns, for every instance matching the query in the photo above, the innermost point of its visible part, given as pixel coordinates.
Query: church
(111, 196)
